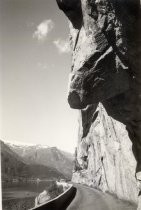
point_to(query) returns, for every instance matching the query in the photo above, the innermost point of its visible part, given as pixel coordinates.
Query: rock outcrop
(104, 157)
(105, 38)
(53, 190)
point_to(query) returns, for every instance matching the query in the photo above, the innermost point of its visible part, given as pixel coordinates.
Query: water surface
(19, 196)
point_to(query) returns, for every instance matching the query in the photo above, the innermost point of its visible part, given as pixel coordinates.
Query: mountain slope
(12, 164)
(47, 156)
(14, 167)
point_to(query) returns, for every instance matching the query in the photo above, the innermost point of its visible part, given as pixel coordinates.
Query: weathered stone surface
(102, 43)
(105, 83)
(104, 155)
(42, 198)
(53, 189)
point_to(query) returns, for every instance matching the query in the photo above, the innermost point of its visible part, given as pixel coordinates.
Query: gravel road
(90, 199)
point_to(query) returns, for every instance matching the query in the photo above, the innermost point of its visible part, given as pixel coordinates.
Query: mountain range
(35, 161)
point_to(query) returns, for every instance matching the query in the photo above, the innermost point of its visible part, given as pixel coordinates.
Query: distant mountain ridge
(15, 166)
(44, 155)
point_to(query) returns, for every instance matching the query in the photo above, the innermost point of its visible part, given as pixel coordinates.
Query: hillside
(13, 166)
(47, 156)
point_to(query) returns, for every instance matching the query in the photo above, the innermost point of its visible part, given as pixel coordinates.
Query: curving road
(90, 199)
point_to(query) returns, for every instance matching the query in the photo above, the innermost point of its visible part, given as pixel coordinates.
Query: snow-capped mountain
(45, 155)
(13, 166)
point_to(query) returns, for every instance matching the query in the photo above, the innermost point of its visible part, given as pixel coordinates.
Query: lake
(19, 196)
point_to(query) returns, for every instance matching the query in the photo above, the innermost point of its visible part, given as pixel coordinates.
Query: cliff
(104, 157)
(105, 86)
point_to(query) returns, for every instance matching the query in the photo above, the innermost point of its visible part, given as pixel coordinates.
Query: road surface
(90, 199)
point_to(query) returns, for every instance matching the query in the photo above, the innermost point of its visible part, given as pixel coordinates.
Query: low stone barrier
(60, 202)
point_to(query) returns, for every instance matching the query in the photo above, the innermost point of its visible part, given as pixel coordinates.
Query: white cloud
(62, 45)
(42, 66)
(43, 29)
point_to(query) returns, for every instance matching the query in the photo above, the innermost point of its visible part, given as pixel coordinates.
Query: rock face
(52, 191)
(102, 35)
(105, 84)
(104, 156)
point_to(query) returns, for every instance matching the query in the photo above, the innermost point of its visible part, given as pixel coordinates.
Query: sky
(35, 64)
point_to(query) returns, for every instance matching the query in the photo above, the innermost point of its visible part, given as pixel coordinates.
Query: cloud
(42, 66)
(63, 46)
(43, 29)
